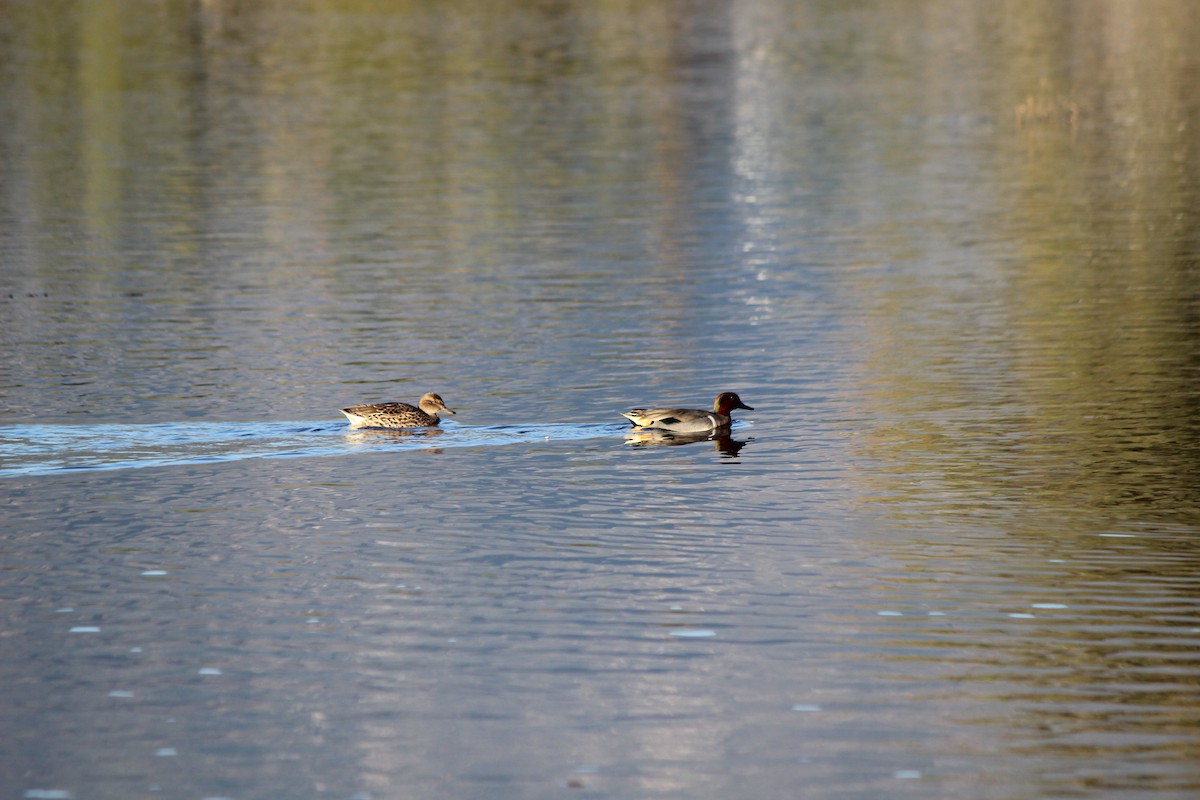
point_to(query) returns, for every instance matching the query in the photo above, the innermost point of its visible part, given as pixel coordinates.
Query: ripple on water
(48, 449)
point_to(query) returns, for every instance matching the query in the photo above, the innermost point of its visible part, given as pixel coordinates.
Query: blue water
(946, 251)
(48, 449)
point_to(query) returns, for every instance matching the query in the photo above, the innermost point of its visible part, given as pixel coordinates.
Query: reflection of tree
(372, 165)
(1050, 357)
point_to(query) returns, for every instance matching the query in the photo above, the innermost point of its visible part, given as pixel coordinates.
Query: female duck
(689, 420)
(397, 415)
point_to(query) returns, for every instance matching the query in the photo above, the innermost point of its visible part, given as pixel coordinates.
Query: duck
(398, 415)
(689, 420)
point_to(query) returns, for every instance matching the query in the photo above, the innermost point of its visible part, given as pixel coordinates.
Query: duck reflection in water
(726, 445)
(383, 435)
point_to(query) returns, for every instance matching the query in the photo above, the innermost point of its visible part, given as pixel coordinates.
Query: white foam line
(56, 449)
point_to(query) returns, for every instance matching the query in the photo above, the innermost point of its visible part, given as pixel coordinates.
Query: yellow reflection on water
(1052, 365)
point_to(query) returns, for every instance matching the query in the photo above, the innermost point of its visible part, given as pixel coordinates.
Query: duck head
(433, 403)
(727, 401)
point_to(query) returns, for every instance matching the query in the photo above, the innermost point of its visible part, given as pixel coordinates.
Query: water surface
(948, 254)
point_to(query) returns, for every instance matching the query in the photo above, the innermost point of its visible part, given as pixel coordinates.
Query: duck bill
(449, 410)
(743, 405)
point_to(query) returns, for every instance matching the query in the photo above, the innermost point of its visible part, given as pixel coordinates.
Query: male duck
(397, 415)
(689, 420)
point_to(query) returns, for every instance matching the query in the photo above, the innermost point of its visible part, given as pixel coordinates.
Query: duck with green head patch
(689, 420)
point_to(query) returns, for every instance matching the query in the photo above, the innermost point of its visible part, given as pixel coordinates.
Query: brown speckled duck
(398, 415)
(689, 420)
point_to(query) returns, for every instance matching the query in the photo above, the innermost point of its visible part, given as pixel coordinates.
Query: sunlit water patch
(43, 449)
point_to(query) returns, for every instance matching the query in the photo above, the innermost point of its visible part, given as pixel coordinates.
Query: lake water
(947, 251)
